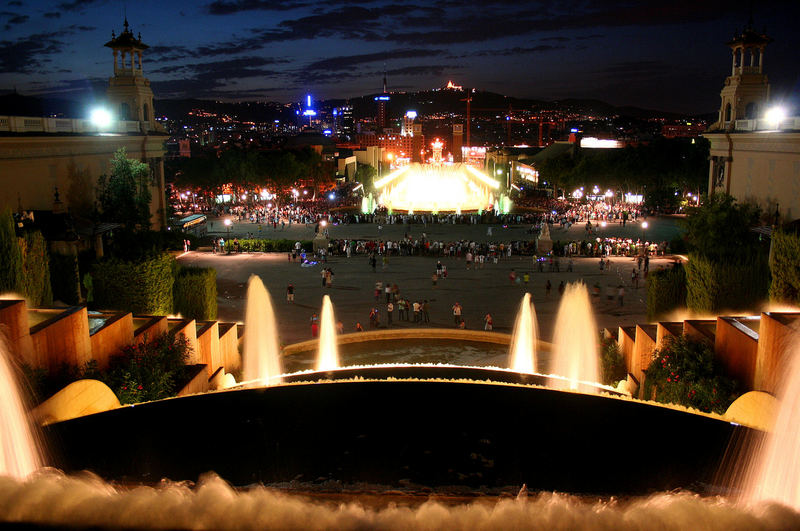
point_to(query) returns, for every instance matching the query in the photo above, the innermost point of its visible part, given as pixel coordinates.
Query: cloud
(29, 53)
(229, 7)
(14, 19)
(79, 5)
(349, 61)
(518, 50)
(15, 3)
(52, 14)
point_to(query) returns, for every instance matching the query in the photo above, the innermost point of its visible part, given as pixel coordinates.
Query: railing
(761, 124)
(28, 124)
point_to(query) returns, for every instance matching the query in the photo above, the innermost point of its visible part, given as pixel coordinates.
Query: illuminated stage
(440, 188)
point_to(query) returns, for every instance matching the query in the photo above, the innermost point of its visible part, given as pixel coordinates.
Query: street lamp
(644, 228)
(228, 224)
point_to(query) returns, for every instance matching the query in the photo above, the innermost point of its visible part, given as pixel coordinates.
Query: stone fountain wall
(63, 337)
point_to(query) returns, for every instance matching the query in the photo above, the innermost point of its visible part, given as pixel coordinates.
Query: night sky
(667, 55)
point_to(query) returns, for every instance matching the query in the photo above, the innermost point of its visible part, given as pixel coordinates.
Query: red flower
(669, 379)
(140, 387)
(124, 386)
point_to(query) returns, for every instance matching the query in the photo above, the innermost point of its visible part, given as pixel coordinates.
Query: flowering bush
(613, 364)
(148, 371)
(685, 372)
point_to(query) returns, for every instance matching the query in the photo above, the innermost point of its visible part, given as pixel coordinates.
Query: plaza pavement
(477, 290)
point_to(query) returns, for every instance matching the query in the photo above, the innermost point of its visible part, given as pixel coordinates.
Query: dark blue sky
(666, 55)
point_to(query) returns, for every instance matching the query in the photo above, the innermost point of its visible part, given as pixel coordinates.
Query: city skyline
(669, 58)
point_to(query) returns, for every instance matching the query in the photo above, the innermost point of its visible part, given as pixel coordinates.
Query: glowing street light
(775, 115)
(101, 118)
(228, 224)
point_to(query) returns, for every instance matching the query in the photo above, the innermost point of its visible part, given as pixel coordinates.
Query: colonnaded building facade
(42, 156)
(755, 146)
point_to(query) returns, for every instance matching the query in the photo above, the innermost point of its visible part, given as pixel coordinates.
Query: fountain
(772, 472)
(575, 339)
(19, 453)
(261, 357)
(328, 354)
(524, 341)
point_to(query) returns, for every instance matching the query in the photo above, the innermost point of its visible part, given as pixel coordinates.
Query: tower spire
(384, 78)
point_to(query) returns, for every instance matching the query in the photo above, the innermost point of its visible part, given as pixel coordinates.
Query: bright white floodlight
(775, 115)
(101, 118)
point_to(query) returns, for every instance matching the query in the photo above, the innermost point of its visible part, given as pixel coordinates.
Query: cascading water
(261, 359)
(772, 472)
(525, 339)
(19, 453)
(575, 339)
(328, 357)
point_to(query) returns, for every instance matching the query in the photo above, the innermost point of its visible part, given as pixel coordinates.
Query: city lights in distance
(411, 115)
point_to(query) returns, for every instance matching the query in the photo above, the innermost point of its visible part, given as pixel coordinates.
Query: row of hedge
(24, 263)
(195, 293)
(784, 264)
(266, 246)
(715, 286)
(154, 286)
(666, 291)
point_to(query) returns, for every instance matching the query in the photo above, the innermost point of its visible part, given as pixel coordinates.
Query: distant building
(755, 150)
(686, 130)
(344, 125)
(39, 155)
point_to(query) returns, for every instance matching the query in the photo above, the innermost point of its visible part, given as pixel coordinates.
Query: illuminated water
(261, 357)
(522, 350)
(53, 499)
(328, 354)
(773, 473)
(575, 340)
(437, 188)
(19, 453)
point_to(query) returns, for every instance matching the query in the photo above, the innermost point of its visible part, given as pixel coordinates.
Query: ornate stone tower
(746, 91)
(129, 91)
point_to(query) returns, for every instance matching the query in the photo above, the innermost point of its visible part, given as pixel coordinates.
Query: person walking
(526, 278)
(290, 292)
(561, 288)
(314, 325)
(547, 288)
(488, 322)
(389, 312)
(512, 277)
(457, 313)
(416, 307)
(426, 316)
(620, 295)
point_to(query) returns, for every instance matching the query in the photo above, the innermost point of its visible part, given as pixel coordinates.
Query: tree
(720, 228)
(125, 194)
(365, 173)
(11, 262)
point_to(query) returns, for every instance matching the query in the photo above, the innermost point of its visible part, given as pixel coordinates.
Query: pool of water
(456, 352)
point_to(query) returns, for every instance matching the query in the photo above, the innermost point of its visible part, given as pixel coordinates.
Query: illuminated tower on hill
(128, 90)
(746, 91)
(383, 103)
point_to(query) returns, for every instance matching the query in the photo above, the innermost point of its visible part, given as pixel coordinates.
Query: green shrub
(195, 293)
(666, 291)
(65, 278)
(132, 245)
(784, 265)
(36, 270)
(11, 262)
(685, 372)
(715, 286)
(143, 287)
(148, 371)
(613, 364)
(266, 246)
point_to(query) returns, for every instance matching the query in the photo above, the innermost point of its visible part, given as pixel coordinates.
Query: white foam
(50, 497)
